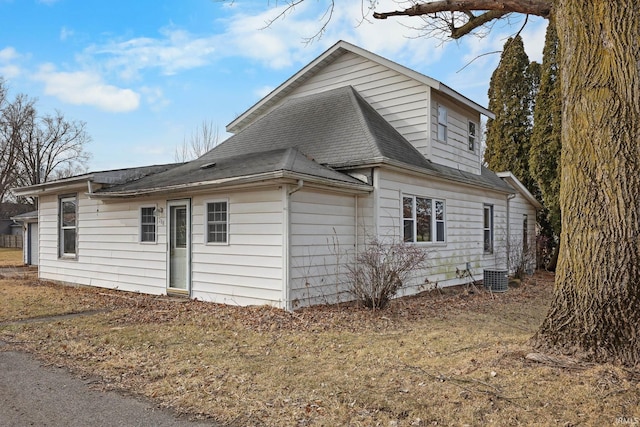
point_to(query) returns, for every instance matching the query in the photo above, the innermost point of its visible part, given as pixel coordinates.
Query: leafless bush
(381, 270)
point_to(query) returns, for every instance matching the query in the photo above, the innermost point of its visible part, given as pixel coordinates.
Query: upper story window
(472, 136)
(423, 219)
(488, 228)
(68, 223)
(217, 222)
(442, 123)
(148, 224)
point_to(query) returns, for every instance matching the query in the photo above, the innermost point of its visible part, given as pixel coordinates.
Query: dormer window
(472, 136)
(442, 123)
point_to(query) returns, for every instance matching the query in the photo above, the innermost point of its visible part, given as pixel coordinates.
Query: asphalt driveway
(35, 395)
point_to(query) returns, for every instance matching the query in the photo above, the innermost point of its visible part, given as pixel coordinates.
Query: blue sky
(145, 74)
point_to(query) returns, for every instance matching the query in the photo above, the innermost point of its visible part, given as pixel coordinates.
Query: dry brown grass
(442, 358)
(10, 257)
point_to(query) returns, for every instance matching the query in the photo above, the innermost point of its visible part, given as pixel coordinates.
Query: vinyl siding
(323, 237)
(463, 227)
(455, 151)
(518, 207)
(109, 253)
(247, 270)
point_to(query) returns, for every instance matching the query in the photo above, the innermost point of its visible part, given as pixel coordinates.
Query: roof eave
(53, 186)
(236, 182)
(519, 186)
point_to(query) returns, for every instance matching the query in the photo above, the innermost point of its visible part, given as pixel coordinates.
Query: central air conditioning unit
(496, 280)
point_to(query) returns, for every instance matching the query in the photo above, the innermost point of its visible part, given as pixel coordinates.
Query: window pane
(440, 231)
(423, 218)
(408, 230)
(180, 224)
(442, 132)
(68, 213)
(217, 233)
(407, 207)
(439, 211)
(487, 240)
(69, 241)
(487, 217)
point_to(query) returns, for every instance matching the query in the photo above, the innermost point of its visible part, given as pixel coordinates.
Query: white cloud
(8, 69)
(65, 33)
(8, 54)
(177, 50)
(86, 88)
(264, 91)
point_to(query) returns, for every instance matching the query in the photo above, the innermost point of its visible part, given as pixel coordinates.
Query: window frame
(62, 227)
(207, 222)
(141, 224)
(437, 217)
(472, 135)
(443, 122)
(488, 245)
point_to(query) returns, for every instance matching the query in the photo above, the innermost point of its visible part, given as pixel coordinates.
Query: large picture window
(217, 222)
(67, 244)
(423, 219)
(148, 224)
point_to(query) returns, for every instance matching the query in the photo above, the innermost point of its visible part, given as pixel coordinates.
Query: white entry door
(179, 243)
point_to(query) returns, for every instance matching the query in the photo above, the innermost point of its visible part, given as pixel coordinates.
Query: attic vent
(208, 165)
(496, 280)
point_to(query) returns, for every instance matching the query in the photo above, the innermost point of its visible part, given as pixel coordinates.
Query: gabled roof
(330, 55)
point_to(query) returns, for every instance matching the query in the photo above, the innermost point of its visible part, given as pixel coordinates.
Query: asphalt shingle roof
(312, 135)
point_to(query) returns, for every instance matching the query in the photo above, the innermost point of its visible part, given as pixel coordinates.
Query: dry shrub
(381, 270)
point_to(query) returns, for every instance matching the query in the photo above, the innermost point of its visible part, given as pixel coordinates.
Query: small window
(68, 226)
(217, 222)
(472, 136)
(423, 219)
(442, 123)
(525, 233)
(488, 228)
(148, 224)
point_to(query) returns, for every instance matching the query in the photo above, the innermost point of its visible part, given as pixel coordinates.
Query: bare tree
(203, 139)
(595, 312)
(36, 149)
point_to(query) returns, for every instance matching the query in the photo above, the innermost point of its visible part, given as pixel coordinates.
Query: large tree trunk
(596, 305)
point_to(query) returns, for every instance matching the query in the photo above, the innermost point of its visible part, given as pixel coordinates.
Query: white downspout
(286, 243)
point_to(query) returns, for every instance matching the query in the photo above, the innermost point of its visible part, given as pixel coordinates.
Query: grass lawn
(10, 257)
(442, 358)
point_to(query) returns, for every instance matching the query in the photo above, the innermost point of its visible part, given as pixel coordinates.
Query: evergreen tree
(511, 92)
(544, 159)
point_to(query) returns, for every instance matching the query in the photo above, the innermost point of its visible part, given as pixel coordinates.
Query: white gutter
(232, 181)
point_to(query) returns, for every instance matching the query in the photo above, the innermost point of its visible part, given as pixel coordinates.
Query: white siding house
(351, 148)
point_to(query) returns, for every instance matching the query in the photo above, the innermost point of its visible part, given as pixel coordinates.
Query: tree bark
(596, 305)
(530, 7)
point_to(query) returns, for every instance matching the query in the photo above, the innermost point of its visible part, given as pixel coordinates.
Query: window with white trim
(423, 219)
(217, 221)
(442, 123)
(472, 136)
(488, 228)
(68, 223)
(148, 224)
